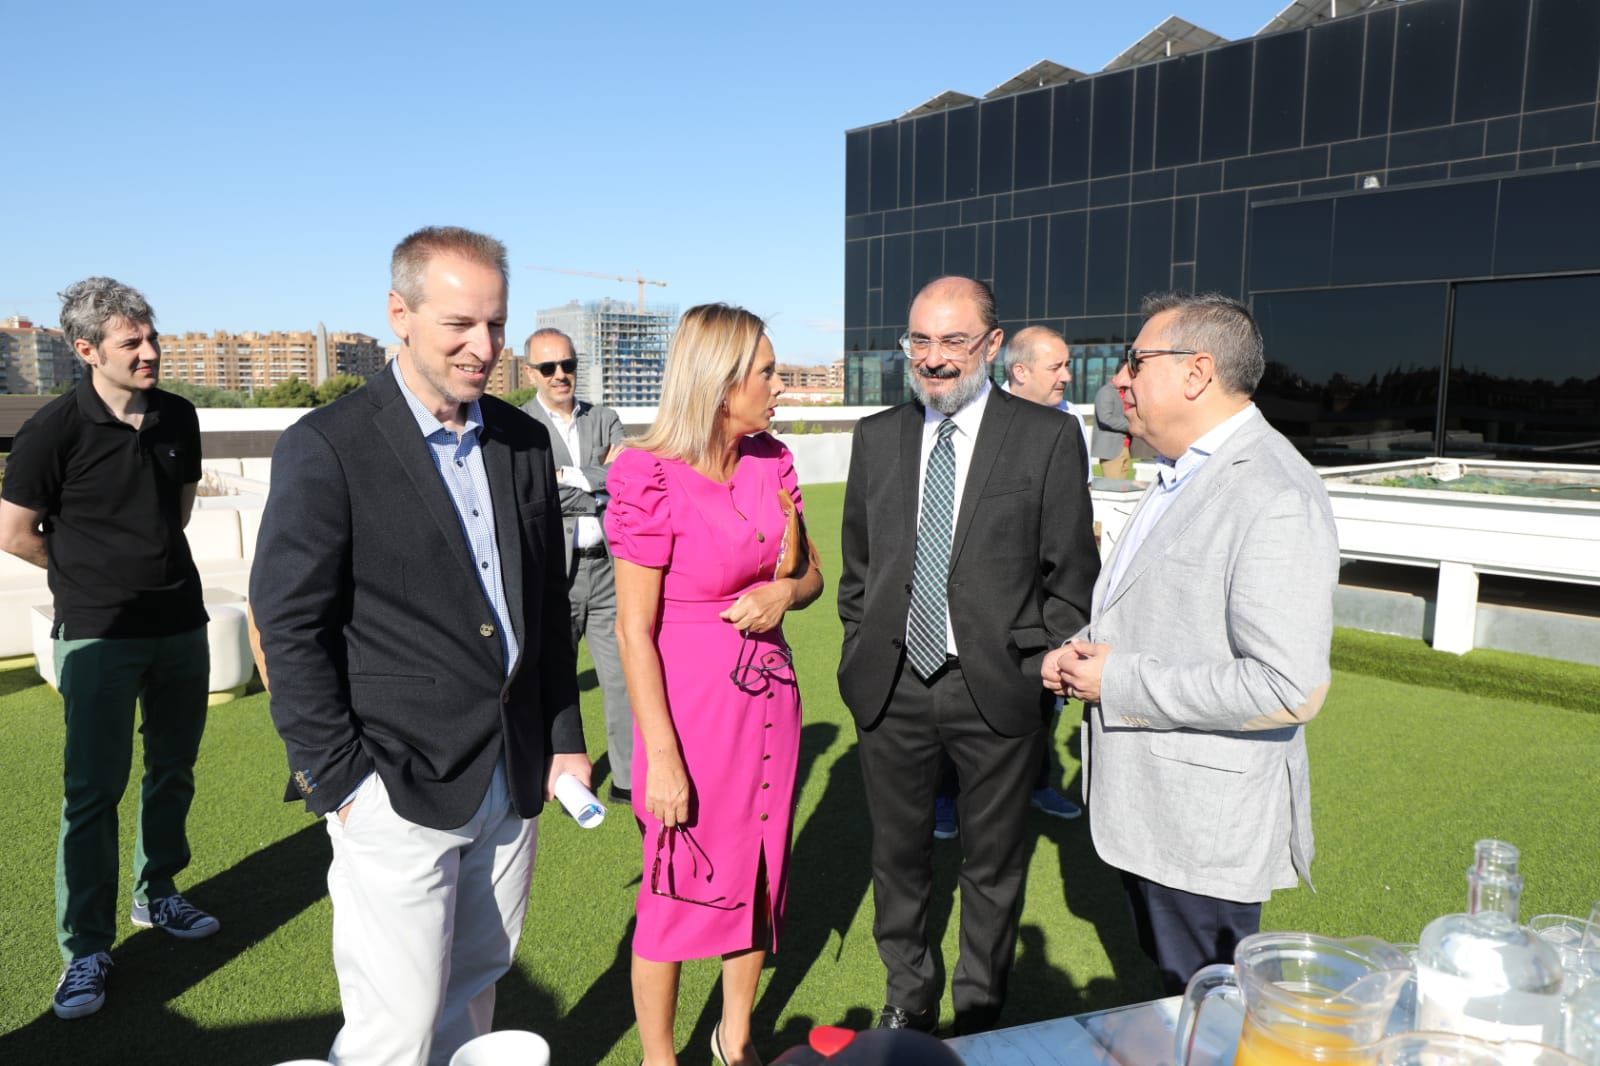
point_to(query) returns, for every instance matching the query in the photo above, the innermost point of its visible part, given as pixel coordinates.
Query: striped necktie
(930, 581)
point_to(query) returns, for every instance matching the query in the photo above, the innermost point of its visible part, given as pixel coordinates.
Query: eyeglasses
(761, 666)
(1132, 357)
(666, 838)
(569, 366)
(957, 344)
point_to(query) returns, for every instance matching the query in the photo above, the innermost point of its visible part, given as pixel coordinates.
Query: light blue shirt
(459, 461)
(1170, 478)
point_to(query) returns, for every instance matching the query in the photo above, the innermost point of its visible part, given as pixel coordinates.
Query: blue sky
(250, 166)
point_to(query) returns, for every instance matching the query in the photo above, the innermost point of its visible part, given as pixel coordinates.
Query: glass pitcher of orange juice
(1306, 998)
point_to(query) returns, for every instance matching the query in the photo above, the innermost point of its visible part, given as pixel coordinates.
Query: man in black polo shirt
(98, 489)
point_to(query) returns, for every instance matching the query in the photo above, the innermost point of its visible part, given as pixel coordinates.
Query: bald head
(1038, 365)
(954, 289)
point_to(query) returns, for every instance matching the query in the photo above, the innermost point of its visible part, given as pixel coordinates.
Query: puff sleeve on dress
(638, 518)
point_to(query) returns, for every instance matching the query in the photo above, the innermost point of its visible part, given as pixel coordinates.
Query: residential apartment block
(35, 359)
(251, 361)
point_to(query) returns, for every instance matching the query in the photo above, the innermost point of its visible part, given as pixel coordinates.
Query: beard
(962, 392)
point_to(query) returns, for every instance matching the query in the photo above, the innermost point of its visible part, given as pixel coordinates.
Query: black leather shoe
(893, 1017)
(621, 795)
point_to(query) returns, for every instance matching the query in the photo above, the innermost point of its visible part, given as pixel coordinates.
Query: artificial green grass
(1484, 671)
(1405, 778)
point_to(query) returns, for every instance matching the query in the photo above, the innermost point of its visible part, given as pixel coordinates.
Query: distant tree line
(291, 393)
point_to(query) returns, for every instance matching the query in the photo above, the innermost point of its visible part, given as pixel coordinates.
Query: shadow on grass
(19, 680)
(139, 1024)
(588, 680)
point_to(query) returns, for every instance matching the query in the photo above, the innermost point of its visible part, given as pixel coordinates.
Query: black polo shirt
(112, 496)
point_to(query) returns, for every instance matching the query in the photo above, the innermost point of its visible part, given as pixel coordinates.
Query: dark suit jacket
(382, 646)
(599, 429)
(1022, 563)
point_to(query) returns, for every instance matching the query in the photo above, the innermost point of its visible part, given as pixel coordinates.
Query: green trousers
(101, 679)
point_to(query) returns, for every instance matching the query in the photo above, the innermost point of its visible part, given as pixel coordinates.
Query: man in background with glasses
(967, 553)
(1208, 646)
(584, 438)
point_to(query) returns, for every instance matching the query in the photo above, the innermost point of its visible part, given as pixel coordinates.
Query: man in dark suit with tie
(968, 552)
(410, 589)
(584, 437)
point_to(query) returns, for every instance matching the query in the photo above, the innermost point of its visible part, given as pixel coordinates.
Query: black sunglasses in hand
(666, 838)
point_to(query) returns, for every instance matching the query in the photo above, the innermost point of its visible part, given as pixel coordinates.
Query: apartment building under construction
(622, 349)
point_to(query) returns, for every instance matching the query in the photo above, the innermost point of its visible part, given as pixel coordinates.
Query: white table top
(1138, 1035)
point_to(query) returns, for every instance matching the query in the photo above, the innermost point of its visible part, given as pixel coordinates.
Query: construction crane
(638, 278)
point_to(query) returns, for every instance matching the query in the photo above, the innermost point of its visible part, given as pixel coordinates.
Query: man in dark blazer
(968, 552)
(411, 595)
(583, 438)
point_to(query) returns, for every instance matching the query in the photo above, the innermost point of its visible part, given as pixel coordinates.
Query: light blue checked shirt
(459, 461)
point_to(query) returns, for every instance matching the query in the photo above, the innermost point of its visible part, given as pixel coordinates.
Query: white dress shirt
(1170, 478)
(963, 440)
(586, 531)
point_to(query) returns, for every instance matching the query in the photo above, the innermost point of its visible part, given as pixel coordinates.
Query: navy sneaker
(944, 819)
(1055, 804)
(82, 988)
(175, 915)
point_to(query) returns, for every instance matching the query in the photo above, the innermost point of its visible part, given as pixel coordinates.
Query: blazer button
(908, 588)
(898, 643)
(486, 630)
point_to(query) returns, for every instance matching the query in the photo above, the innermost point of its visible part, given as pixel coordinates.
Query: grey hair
(1221, 325)
(547, 331)
(412, 255)
(1023, 349)
(88, 305)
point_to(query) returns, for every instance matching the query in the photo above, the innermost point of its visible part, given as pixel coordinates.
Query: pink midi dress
(740, 738)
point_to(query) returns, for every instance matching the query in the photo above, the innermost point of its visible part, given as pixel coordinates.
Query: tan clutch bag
(798, 551)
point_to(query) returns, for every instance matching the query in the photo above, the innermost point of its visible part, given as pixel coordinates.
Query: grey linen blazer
(1219, 633)
(599, 429)
(1110, 423)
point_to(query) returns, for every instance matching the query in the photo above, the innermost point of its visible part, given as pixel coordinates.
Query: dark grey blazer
(1022, 561)
(599, 429)
(381, 646)
(1110, 423)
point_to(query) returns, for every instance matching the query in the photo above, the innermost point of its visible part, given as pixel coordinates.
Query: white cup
(579, 801)
(508, 1047)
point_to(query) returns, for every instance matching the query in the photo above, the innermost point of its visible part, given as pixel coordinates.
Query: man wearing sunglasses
(584, 438)
(968, 552)
(1208, 645)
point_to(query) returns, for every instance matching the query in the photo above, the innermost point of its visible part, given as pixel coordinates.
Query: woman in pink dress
(704, 526)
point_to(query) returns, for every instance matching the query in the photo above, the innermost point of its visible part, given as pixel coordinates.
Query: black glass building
(1408, 197)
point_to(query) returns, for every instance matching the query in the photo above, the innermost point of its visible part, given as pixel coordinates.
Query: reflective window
(1291, 245)
(1149, 250)
(1069, 131)
(961, 153)
(1377, 72)
(1225, 130)
(1038, 265)
(960, 250)
(1011, 269)
(908, 163)
(1548, 223)
(1333, 80)
(1113, 123)
(1409, 234)
(1493, 39)
(994, 145)
(1068, 244)
(1108, 258)
(885, 178)
(1279, 92)
(896, 278)
(1032, 153)
(927, 257)
(1144, 117)
(857, 165)
(1353, 374)
(1178, 88)
(1219, 244)
(930, 158)
(855, 284)
(875, 263)
(1563, 53)
(1425, 64)
(1524, 377)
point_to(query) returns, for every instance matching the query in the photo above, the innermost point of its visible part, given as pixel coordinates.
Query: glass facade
(1405, 196)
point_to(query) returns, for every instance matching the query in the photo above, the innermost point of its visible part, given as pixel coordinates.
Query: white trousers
(425, 921)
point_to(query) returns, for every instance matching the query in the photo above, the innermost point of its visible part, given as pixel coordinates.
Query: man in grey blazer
(1110, 433)
(1207, 645)
(583, 438)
